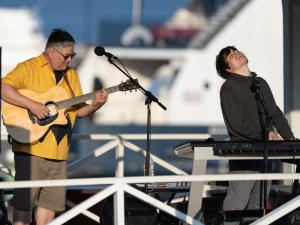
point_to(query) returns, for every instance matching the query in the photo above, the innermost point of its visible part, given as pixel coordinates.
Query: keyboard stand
(200, 152)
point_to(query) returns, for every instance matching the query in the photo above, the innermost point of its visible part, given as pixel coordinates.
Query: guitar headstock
(128, 85)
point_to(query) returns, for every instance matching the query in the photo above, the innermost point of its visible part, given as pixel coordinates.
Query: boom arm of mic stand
(148, 94)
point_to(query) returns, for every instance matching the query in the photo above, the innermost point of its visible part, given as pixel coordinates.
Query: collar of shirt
(239, 77)
(42, 60)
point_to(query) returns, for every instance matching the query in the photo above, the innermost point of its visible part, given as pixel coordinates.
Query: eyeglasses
(67, 56)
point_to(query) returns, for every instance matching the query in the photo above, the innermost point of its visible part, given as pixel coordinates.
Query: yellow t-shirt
(36, 75)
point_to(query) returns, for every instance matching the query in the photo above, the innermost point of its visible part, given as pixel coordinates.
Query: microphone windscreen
(253, 75)
(99, 51)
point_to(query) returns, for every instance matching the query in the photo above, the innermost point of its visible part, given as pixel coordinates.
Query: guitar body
(23, 126)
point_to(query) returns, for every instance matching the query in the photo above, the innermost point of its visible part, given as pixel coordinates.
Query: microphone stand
(266, 123)
(149, 99)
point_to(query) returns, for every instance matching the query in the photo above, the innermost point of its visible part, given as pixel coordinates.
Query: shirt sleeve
(277, 117)
(16, 77)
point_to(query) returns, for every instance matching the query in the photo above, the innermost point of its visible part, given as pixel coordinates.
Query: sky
(90, 20)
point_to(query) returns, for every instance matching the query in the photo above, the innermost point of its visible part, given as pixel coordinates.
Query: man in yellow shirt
(45, 158)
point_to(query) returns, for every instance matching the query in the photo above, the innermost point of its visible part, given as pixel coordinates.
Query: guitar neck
(83, 98)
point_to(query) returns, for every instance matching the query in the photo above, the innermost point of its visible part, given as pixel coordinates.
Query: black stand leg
(296, 182)
(147, 159)
(266, 124)
(149, 167)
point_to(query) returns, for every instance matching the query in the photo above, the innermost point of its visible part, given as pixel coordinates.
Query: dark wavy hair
(221, 63)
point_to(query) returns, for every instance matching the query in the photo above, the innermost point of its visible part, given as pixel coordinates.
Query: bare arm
(12, 96)
(99, 100)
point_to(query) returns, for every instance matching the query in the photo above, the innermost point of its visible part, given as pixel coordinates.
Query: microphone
(255, 85)
(253, 75)
(100, 51)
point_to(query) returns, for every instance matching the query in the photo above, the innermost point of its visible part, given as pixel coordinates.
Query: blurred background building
(105, 22)
(169, 46)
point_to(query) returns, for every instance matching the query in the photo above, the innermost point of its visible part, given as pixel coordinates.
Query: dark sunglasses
(67, 56)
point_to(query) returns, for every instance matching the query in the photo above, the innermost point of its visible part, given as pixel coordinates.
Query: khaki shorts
(29, 167)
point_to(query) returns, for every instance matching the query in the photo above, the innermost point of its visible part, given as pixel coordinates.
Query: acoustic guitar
(24, 127)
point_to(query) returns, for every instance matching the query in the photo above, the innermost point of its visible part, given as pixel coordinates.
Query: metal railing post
(119, 207)
(119, 156)
(119, 217)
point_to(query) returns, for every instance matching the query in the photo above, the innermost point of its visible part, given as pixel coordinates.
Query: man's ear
(50, 50)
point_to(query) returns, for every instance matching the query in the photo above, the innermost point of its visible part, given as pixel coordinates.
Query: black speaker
(137, 212)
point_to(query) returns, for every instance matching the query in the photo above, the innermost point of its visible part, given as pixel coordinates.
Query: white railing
(122, 141)
(119, 184)
(119, 143)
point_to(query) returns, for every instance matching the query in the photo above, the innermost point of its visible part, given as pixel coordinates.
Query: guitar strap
(67, 81)
(58, 75)
(62, 74)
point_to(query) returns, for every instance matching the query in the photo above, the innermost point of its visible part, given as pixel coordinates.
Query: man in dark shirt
(241, 114)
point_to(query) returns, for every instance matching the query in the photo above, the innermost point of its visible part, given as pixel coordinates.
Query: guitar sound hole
(53, 114)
